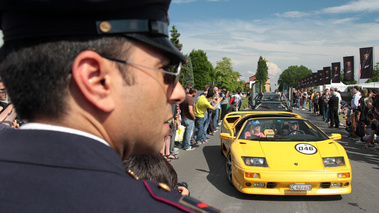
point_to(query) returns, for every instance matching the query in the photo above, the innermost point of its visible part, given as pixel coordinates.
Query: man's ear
(91, 72)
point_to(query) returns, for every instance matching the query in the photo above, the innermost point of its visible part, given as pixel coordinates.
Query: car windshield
(281, 129)
(271, 106)
(270, 97)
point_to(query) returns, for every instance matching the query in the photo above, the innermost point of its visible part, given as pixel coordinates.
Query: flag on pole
(336, 67)
(367, 70)
(315, 79)
(348, 68)
(326, 75)
(320, 74)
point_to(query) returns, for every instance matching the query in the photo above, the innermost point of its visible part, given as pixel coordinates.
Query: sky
(284, 32)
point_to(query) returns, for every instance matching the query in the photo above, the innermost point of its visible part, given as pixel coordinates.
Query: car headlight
(254, 161)
(334, 161)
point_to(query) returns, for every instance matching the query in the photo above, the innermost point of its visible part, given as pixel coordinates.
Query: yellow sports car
(280, 153)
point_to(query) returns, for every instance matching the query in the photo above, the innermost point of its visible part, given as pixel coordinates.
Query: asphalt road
(204, 171)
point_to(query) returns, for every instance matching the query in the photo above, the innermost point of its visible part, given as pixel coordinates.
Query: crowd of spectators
(360, 116)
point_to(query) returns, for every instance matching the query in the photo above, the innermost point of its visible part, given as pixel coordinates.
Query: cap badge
(105, 27)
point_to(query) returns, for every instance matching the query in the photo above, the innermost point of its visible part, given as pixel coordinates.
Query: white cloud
(273, 73)
(312, 42)
(354, 6)
(292, 14)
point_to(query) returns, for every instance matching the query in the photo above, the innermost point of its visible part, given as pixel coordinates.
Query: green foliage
(202, 68)
(262, 72)
(186, 74)
(174, 37)
(292, 75)
(245, 103)
(224, 72)
(246, 89)
(376, 74)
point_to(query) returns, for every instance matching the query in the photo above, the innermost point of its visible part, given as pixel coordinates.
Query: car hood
(292, 155)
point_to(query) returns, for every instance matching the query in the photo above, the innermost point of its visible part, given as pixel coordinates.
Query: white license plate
(300, 187)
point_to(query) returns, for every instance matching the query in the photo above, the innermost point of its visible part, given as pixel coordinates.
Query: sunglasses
(171, 72)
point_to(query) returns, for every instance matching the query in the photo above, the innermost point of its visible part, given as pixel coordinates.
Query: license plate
(300, 187)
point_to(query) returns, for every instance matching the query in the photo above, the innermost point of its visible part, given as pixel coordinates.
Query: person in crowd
(85, 75)
(211, 128)
(176, 111)
(293, 128)
(224, 101)
(355, 100)
(310, 97)
(255, 130)
(294, 95)
(361, 113)
(169, 139)
(232, 107)
(326, 113)
(188, 119)
(8, 118)
(156, 168)
(3, 96)
(217, 111)
(333, 110)
(348, 120)
(201, 107)
(208, 115)
(238, 99)
(338, 94)
(304, 97)
(315, 100)
(321, 104)
(371, 135)
(299, 98)
(188, 87)
(371, 104)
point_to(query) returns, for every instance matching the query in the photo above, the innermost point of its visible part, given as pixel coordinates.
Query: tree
(224, 72)
(262, 72)
(292, 75)
(376, 74)
(186, 75)
(175, 38)
(201, 68)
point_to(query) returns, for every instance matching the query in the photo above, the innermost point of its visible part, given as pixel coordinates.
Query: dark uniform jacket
(49, 171)
(333, 103)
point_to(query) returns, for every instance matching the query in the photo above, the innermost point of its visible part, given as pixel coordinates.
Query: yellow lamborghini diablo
(280, 153)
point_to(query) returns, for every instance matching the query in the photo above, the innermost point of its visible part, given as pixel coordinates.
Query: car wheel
(228, 168)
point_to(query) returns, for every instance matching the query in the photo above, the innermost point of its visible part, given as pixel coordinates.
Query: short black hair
(152, 167)
(37, 73)
(192, 90)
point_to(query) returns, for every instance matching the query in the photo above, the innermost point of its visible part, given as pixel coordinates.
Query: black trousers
(223, 110)
(334, 118)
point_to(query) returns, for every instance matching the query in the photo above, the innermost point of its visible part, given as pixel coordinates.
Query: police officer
(75, 70)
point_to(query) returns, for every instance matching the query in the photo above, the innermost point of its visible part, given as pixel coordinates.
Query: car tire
(228, 169)
(221, 148)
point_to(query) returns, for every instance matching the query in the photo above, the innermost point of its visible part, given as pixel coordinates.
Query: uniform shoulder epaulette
(163, 193)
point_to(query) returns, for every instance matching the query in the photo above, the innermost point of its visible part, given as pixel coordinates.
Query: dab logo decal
(305, 148)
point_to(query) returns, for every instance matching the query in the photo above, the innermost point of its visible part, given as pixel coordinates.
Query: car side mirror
(225, 135)
(335, 136)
